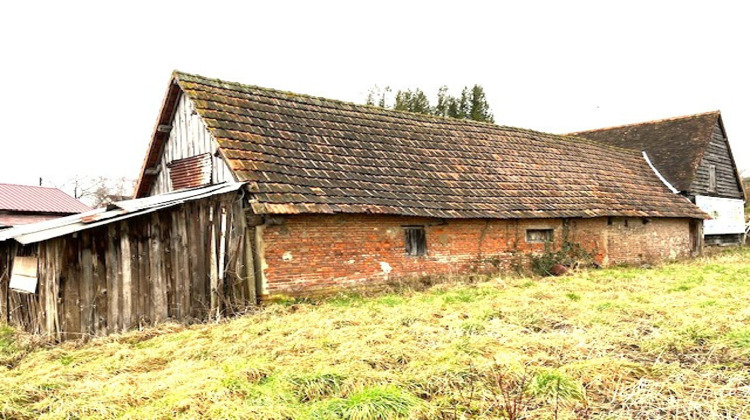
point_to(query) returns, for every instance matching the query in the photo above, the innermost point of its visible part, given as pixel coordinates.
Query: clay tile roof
(674, 145)
(28, 198)
(304, 154)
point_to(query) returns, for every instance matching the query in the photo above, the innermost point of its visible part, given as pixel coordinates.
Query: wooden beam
(152, 171)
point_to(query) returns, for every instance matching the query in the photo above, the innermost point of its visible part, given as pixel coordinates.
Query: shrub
(570, 255)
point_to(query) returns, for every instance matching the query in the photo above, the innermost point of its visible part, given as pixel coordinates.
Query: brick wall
(307, 254)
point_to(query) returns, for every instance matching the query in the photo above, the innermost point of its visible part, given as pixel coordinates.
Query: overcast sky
(82, 83)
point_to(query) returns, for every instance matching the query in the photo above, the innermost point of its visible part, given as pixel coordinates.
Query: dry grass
(666, 342)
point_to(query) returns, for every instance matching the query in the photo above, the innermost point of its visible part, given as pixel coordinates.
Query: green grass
(671, 341)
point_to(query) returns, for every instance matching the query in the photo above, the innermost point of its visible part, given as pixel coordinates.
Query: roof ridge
(30, 186)
(657, 121)
(399, 113)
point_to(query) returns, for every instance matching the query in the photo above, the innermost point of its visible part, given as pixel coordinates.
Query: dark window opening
(539, 235)
(609, 221)
(712, 178)
(416, 241)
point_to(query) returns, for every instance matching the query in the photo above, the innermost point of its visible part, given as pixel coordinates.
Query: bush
(571, 255)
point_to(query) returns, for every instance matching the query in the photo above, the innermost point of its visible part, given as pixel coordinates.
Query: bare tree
(97, 191)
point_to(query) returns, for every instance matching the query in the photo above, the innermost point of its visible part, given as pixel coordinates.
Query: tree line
(471, 104)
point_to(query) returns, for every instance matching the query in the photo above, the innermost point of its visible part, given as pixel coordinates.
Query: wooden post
(248, 233)
(213, 269)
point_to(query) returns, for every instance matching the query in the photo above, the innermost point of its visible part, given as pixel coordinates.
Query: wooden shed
(183, 256)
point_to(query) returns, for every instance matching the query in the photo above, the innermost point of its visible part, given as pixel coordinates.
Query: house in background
(23, 204)
(247, 194)
(693, 154)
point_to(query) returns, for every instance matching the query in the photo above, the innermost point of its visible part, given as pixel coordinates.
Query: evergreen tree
(471, 104)
(412, 101)
(479, 109)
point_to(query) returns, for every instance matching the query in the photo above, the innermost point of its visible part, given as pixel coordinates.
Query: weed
(740, 339)
(472, 328)
(556, 388)
(575, 297)
(571, 255)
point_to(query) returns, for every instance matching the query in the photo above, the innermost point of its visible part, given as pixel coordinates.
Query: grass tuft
(317, 386)
(375, 403)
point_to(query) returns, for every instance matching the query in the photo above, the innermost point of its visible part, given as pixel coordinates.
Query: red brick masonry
(308, 254)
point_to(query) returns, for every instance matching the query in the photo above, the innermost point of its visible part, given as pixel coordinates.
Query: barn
(248, 194)
(692, 152)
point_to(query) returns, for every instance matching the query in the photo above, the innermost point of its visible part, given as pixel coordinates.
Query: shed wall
(310, 254)
(185, 263)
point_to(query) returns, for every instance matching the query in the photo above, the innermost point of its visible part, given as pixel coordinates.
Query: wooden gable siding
(717, 153)
(189, 137)
(185, 264)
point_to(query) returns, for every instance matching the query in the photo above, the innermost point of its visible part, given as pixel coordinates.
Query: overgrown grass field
(672, 341)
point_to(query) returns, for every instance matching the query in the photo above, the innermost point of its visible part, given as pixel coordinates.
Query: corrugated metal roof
(120, 210)
(31, 198)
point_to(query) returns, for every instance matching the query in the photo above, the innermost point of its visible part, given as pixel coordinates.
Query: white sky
(82, 82)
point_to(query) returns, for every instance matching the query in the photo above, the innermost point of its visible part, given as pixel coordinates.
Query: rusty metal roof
(29, 198)
(36, 232)
(304, 154)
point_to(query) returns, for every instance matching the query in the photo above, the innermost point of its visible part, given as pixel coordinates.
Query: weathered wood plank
(183, 274)
(99, 246)
(128, 296)
(144, 287)
(113, 283)
(158, 278)
(69, 281)
(213, 266)
(4, 281)
(88, 303)
(189, 137)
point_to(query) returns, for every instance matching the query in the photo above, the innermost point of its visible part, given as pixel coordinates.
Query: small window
(712, 178)
(539, 235)
(416, 241)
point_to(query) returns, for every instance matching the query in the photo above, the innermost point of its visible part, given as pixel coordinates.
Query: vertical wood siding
(717, 153)
(189, 137)
(137, 272)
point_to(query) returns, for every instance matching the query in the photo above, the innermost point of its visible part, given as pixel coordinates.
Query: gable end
(180, 136)
(717, 155)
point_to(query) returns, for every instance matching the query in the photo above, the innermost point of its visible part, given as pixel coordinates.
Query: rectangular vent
(190, 172)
